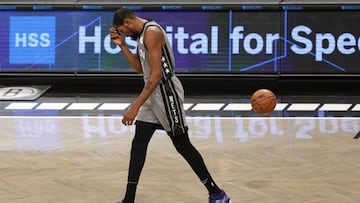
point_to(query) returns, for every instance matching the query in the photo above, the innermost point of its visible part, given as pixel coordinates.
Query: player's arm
(154, 41)
(132, 58)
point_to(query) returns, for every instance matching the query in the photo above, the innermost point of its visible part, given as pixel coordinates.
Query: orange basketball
(263, 101)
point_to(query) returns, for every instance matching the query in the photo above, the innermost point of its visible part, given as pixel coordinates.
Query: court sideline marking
(187, 106)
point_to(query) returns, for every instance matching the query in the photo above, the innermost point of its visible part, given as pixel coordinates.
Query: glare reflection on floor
(49, 133)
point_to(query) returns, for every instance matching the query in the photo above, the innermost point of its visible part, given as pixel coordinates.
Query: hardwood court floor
(85, 159)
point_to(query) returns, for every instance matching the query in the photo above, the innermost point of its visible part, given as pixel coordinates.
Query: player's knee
(181, 144)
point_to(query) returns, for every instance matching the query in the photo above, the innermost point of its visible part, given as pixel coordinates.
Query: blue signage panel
(288, 40)
(32, 40)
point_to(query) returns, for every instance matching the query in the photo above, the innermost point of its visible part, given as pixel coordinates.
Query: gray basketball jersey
(165, 105)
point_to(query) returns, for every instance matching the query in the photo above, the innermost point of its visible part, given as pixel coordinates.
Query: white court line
(21, 106)
(114, 106)
(52, 106)
(208, 106)
(238, 107)
(82, 106)
(123, 106)
(335, 107)
(303, 107)
(187, 106)
(280, 106)
(356, 108)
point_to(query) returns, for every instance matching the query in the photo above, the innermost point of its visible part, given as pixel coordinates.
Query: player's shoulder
(152, 26)
(153, 29)
(154, 32)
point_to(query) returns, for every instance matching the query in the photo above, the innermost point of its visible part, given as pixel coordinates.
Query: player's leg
(193, 157)
(167, 105)
(143, 134)
(184, 146)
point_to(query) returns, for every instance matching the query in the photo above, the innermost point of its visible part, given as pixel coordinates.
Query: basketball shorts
(165, 107)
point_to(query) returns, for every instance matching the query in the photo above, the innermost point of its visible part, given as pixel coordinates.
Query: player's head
(123, 22)
(122, 15)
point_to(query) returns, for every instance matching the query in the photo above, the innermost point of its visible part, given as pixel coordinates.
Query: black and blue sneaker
(219, 198)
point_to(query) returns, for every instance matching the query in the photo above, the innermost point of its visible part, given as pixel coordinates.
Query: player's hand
(116, 37)
(129, 116)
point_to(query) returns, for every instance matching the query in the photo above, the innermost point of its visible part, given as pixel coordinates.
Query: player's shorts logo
(32, 40)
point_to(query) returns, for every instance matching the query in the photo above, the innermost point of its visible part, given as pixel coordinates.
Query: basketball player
(160, 103)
